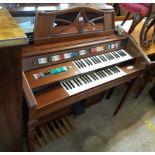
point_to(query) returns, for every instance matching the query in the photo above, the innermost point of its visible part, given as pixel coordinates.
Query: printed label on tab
(55, 58)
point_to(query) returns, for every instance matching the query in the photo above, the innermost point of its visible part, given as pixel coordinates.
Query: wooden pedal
(52, 131)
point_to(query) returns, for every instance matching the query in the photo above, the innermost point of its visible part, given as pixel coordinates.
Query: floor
(98, 130)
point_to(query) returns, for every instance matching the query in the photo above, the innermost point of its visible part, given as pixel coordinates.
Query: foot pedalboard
(52, 131)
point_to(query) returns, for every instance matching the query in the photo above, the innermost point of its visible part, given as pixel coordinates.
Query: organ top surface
(10, 32)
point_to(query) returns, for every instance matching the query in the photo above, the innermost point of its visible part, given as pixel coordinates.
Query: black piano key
(83, 79)
(123, 52)
(103, 74)
(99, 75)
(93, 76)
(79, 81)
(114, 71)
(97, 59)
(110, 71)
(64, 84)
(87, 62)
(117, 69)
(82, 63)
(88, 78)
(107, 71)
(77, 64)
(120, 53)
(96, 76)
(116, 55)
(71, 84)
(93, 60)
(85, 76)
(104, 57)
(76, 82)
(68, 84)
(103, 60)
(111, 56)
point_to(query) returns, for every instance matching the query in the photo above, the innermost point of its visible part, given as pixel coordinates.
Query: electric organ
(76, 54)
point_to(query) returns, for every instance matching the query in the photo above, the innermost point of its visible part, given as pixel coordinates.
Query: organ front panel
(74, 59)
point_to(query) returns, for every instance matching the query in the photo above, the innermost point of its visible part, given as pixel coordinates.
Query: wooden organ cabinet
(76, 55)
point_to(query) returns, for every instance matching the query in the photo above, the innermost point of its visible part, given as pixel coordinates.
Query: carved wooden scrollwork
(79, 21)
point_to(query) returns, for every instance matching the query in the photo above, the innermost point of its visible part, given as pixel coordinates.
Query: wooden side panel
(10, 99)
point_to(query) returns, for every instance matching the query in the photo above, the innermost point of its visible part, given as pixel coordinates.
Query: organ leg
(140, 90)
(124, 97)
(110, 93)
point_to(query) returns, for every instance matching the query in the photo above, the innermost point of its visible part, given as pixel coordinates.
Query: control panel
(54, 58)
(51, 72)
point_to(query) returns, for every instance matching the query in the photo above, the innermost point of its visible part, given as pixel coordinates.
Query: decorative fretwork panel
(72, 22)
